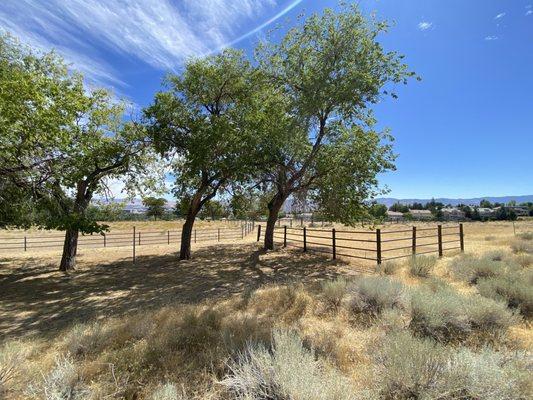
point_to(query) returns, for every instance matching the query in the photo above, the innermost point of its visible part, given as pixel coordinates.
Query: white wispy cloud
(425, 25)
(500, 15)
(161, 33)
(529, 12)
(489, 38)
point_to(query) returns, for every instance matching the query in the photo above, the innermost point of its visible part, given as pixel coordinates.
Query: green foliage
(373, 295)
(422, 265)
(214, 210)
(197, 123)
(155, 206)
(320, 81)
(397, 207)
(447, 316)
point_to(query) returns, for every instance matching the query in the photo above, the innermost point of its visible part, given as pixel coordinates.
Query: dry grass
(236, 323)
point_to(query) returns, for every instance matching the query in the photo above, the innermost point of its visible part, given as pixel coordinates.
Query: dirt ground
(37, 299)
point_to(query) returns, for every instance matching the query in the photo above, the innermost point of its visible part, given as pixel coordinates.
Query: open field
(163, 329)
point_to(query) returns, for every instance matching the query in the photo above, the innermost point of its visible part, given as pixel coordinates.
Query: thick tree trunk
(186, 232)
(70, 249)
(274, 206)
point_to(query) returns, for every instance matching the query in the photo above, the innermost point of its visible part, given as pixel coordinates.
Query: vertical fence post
(291, 222)
(195, 236)
(305, 239)
(25, 243)
(439, 234)
(334, 245)
(168, 237)
(218, 234)
(105, 244)
(139, 238)
(378, 246)
(414, 241)
(258, 232)
(284, 235)
(461, 237)
(134, 244)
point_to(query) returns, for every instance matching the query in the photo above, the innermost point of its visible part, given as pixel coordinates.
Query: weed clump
(419, 368)
(62, 382)
(334, 291)
(471, 269)
(287, 370)
(447, 316)
(513, 289)
(372, 295)
(422, 265)
(390, 267)
(520, 246)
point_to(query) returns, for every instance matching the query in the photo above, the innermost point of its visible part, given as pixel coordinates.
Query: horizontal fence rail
(133, 239)
(374, 245)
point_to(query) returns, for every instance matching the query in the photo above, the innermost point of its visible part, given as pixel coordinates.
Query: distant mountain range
(389, 201)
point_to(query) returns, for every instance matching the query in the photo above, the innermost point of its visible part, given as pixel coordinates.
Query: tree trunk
(70, 249)
(186, 232)
(274, 206)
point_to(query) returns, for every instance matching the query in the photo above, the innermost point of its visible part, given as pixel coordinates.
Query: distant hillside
(389, 201)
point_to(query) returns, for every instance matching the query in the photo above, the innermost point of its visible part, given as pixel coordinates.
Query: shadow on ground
(36, 299)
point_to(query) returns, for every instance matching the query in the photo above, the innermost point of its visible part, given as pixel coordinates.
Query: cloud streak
(161, 33)
(500, 15)
(425, 25)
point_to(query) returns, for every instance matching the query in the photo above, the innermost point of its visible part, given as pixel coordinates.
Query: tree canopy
(324, 75)
(198, 125)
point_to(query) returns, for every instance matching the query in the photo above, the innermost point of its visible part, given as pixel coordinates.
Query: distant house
(485, 212)
(394, 216)
(520, 211)
(452, 214)
(422, 215)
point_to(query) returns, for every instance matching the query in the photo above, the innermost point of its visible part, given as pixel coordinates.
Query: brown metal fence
(374, 245)
(133, 239)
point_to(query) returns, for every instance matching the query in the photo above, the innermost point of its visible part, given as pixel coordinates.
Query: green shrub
(285, 371)
(373, 294)
(334, 291)
(447, 316)
(422, 265)
(413, 368)
(471, 269)
(515, 290)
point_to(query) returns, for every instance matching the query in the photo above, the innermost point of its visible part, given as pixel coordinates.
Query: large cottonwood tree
(326, 72)
(197, 124)
(59, 142)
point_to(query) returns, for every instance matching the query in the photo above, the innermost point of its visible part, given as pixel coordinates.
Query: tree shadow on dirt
(36, 299)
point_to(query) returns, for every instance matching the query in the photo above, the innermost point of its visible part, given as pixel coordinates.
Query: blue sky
(465, 130)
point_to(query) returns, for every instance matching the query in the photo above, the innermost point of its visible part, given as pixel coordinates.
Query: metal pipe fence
(134, 239)
(377, 245)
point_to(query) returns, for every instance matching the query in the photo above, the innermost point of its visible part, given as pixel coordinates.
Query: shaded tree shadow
(37, 299)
